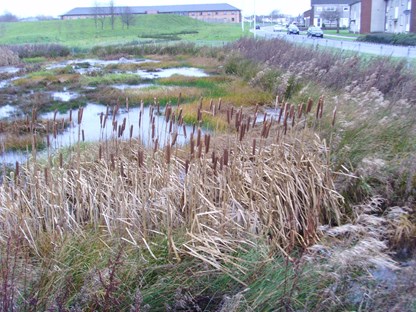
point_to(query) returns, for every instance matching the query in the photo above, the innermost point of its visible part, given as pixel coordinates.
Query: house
(393, 16)
(221, 12)
(327, 12)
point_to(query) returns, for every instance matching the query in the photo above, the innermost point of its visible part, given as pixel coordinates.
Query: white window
(332, 9)
(318, 9)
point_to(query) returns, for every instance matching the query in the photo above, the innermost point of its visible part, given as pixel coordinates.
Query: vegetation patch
(404, 39)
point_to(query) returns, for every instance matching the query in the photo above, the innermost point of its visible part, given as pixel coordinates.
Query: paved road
(338, 42)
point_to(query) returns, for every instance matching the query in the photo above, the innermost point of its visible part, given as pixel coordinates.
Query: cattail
(334, 115)
(122, 170)
(198, 137)
(168, 112)
(191, 139)
(322, 107)
(199, 114)
(254, 120)
(131, 131)
(211, 105)
(105, 121)
(293, 120)
(113, 165)
(264, 117)
(45, 170)
(179, 98)
(17, 170)
(168, 153)
(199, 151)
(61, 160)
(170, 126)
(280, 115)
(140, 120)
(156, 145)
(219, 104)
(228, 117)
(242, 132)
(300, 111)
(318, 108)
(80, 113)
(54, 114)
(83, 135)
(174, 138)
(309, 107)
(207, 142)
(225, 157)
(254, 147)
(184, 130)
(100, 152)
(140, 158)
(101, 119)
(292, 111)
(186, 166)
(127, 104)
(153, 130)
(48, 143)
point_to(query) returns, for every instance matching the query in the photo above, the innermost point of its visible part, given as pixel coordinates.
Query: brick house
(221, 12)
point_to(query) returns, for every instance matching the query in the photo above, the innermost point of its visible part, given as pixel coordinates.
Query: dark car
(314, 31)
(257, 26)
(292, 29)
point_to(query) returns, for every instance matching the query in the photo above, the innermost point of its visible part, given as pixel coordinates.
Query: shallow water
(9, 70)
(94, 132)
(7, 111)
(169, 72)
(65, 96)
(126, 86)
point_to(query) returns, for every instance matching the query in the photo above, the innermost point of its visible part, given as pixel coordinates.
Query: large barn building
(221, 12)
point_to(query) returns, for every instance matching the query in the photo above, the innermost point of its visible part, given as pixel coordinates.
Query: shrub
(40, 50)
(389, 38)
(8, 57)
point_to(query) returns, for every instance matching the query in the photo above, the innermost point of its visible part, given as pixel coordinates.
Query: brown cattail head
(186, 166)
(219, 104)
(225, 157)
(309, 107)
(300, 111)
(83, 135)
(140, 158)
(80, 113)
(207, 139)
(254, 147)
(174, 138)
(113, 164)
(131, 131)
(322, 107)
(16, 172)
(168, 154)
(198, 137)
(45, 170)
(61, 160)
(192, 143)
(334, 115)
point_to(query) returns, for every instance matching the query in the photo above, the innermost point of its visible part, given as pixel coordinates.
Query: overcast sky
(25, 8)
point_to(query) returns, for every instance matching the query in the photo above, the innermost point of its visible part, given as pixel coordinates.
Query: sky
(26, 8)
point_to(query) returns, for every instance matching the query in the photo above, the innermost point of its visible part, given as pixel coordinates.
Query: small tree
(127, 17)
(8, 17)
(331, 16)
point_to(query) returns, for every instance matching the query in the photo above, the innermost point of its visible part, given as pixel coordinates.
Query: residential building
(221, 12)
(326, 13)
(394, 16)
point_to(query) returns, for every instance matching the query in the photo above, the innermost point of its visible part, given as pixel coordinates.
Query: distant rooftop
(346, 2)
(159, 9)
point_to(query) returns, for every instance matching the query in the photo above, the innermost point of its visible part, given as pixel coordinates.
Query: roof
(160, 9)
(335, 2)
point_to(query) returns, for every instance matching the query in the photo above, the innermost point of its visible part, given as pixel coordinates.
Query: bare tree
(99, 14)
(331, 16)
(112, 13)
(127, 17)
(8, 17)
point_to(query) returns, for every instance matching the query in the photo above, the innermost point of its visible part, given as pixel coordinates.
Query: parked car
(279, 28)
(292, 29)
(314, 31)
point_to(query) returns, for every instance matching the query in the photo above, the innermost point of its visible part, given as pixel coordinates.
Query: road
(339, 43)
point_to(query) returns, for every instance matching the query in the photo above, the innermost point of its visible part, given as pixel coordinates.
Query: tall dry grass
(265, 180)
(8, 57)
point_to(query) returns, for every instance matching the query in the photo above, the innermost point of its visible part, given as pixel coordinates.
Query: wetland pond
(99, 122)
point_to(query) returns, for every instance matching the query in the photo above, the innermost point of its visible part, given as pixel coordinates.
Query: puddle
(8, 111)
(9, 70)
(169, 72)
(65, 96)
(6, 82)
(126, 86)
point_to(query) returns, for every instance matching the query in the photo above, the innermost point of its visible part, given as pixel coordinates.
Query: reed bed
(269, 180)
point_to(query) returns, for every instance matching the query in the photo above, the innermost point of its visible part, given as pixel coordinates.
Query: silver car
(314, 31)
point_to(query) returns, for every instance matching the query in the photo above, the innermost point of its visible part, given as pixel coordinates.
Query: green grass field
(84, 33)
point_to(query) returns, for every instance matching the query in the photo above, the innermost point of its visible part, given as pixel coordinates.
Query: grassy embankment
(83, 33)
